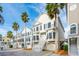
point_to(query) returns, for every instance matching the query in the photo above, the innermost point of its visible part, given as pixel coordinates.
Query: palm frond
(1, 9)
(1, 20)
(24, 17)
(15, 26)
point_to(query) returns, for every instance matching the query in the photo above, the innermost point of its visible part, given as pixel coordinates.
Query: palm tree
(25, 19)
(1, 18)
(1, 9)
(9, 35)
(53, 9)
(16, 27)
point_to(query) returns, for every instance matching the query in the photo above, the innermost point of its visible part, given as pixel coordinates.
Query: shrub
(65, 47)
(10, 46)
(5, 42)
(1, 48)
(22, 45)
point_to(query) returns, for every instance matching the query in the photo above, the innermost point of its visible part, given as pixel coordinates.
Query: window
(26, 39)
(54, 35)
(54, 23)
(33, 37)
(44, 26)
(40, 27)
(37, 37)
(29, 39)
(34, 29)
(37, 29)
(28, 33)
(50, 35)
(73, 29)
(49, 24)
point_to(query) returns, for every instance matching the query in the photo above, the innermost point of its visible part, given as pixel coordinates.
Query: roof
(25, 29)
(43, 18)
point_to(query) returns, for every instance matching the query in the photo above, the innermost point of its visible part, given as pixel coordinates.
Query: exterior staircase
(39, 47)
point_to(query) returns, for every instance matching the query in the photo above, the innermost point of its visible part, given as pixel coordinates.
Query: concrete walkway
(73, 50)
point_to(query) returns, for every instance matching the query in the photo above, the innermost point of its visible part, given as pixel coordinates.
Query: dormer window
(73, 29)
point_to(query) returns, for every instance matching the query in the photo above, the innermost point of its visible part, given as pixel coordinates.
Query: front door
(73, 46)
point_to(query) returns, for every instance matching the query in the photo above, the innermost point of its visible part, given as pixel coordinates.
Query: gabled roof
(43, 18)
(25, 29)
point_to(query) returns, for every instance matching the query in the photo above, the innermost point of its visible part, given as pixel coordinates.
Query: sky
(12, 13)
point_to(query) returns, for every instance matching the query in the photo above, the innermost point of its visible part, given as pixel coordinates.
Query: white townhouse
(73, 20)
(47, 33)
(17, 38)
(24, 39)
(28, 38)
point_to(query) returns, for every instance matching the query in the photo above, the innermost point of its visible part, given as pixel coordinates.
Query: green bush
(22, 45)
(10, 46)
(65, 47)
(1, 48)
(5, 42)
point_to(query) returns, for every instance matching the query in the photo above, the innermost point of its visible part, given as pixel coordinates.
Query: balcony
(28, 42)
(35, 41)
(49, 40)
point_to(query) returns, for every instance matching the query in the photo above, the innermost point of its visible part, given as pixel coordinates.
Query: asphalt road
(20, 52)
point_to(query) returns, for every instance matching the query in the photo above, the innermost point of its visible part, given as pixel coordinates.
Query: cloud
(3, 31)
(40, 8)
(66, 32)
(63, 18)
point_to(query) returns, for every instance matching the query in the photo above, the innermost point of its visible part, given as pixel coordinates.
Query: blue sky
(12, 12)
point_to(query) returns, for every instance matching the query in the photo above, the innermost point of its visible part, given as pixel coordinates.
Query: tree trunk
(25, 36)
(16, 40)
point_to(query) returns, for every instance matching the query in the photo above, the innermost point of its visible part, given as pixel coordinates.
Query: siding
(74, 15)
(60, 31)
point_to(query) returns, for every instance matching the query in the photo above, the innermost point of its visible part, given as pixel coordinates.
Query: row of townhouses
(46, 34)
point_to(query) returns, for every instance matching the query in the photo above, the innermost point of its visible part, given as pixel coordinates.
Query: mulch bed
(61, 52)
(27, 48)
